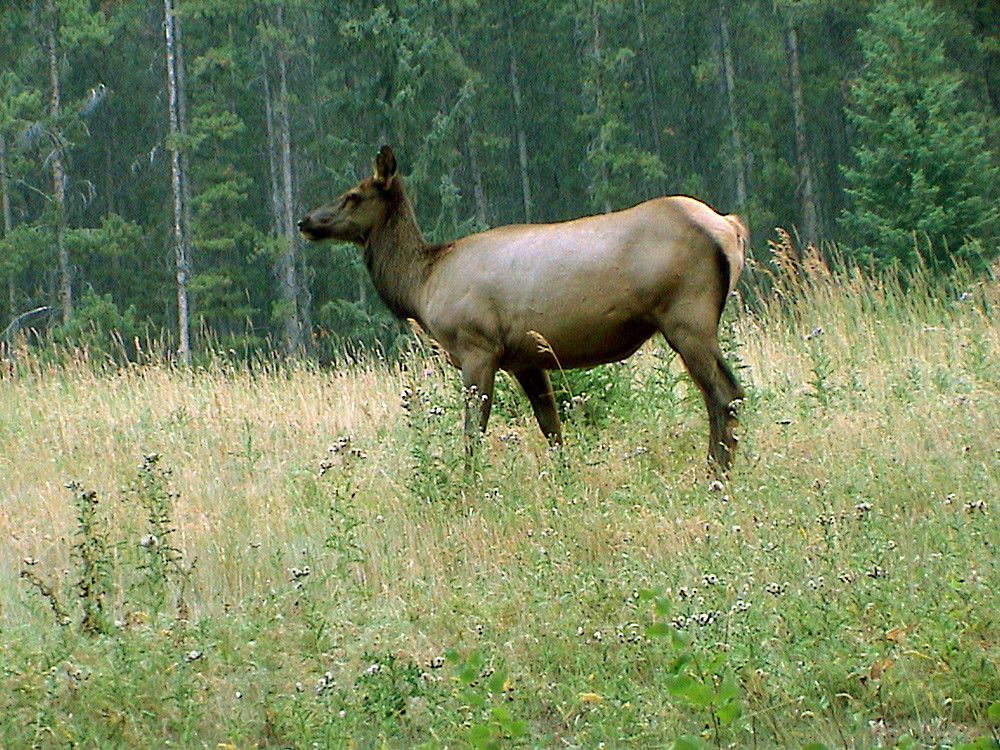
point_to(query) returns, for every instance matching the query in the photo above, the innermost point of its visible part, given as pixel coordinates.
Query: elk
(530, 298)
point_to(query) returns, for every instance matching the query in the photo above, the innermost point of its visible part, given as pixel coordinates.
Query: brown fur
(592, 290)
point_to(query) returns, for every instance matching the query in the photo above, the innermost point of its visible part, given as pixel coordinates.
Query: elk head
(352, 216)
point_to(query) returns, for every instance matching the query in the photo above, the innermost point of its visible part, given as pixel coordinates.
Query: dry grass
(236, 442)
(245, 448)
(868, 399)
(245, 445)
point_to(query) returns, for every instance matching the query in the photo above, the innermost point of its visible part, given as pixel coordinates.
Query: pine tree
(923, 181)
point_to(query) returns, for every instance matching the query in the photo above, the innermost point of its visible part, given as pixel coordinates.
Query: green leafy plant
(696, 676)
(483, 690)
(386, 685)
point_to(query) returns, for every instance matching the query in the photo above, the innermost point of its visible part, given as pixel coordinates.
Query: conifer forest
(156, 154)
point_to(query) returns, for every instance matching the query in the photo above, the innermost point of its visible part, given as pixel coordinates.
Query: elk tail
(736, 252)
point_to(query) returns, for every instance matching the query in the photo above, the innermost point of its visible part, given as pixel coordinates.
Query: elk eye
(351, 199)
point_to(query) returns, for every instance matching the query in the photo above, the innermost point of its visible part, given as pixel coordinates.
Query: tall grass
(289, 557)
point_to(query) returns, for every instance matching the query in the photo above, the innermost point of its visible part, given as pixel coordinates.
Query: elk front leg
(477, 391)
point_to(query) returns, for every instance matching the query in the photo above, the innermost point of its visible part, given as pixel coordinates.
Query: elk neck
(397, 256)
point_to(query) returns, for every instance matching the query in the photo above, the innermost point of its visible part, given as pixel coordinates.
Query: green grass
(279, 556)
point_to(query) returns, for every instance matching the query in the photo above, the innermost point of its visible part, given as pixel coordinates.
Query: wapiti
(531, 298)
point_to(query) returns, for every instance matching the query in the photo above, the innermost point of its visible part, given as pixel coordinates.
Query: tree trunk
(279, 132)
(294, 328)
(735, 131)
(806, 189)
(476, 172)
(58, 171)
(178, 177)
(521, 136)
(182, 121)
(649, 80)
(478, 192)
(472, 161)
(8, 217)
(593, 102)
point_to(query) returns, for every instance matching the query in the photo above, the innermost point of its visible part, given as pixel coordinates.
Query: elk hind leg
(722, 393)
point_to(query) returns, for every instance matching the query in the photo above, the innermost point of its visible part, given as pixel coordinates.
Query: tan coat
(530, 298)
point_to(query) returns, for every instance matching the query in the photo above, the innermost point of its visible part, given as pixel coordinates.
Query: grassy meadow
(281, 556)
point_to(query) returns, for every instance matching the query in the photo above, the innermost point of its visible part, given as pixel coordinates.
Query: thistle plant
(160, 565)
(92, 554)
(821, 368)
(342, 510)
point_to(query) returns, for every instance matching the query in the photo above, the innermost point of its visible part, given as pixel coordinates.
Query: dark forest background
(156, 153)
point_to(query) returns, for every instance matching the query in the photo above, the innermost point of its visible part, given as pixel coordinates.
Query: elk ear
(385, 167)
